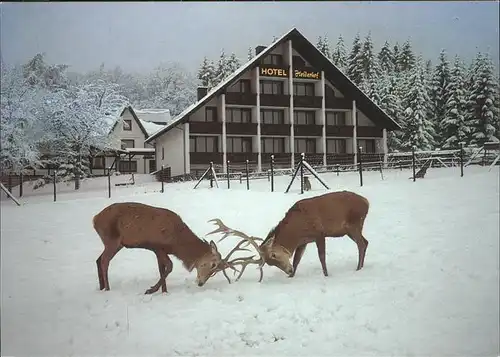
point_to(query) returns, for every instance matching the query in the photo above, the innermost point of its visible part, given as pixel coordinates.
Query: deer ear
(213, 246)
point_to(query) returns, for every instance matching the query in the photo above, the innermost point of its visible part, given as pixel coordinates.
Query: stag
(334, 214)
(136, 225)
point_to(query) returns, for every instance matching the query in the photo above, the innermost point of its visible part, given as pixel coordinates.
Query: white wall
(172, 143)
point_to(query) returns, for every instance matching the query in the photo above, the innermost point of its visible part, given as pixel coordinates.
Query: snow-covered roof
(298, 38)
(154, 115)
(139, 150)
(151, 128)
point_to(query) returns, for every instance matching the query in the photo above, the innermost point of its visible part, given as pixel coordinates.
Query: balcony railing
(202, 127)
(205, 157)
(241, 128)
(275, 129)
(241, 98)
(368, 131)
(308, 130)
(241, 157)
(340, 131)
(306, 101)
(274, 100)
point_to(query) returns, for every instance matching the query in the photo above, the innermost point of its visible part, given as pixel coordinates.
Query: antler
(243, 261)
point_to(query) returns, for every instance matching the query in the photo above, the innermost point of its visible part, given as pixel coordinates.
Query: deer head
(275, 254)
(207, 264)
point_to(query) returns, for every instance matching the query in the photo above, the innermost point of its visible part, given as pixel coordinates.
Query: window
(271, 87)
(303, 89)
(127, 124)
(307, 146)
(128, 143)
(335, 146)
(273, 145)
(273, 59)
(98, 162)
(272, 116)
(367, 146)
(127, 166)
(304, 117)
(238, 115)
(234, 144)
(335, 118)
(203, 144)
(242, 86)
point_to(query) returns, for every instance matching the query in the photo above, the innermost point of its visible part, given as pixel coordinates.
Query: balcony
(337, 103)
(275, 129)
(274, 100)
(369, 131)
(205, 127)
(340, 131)
(308, 130)
(204, 158)
(241, 128)
(241, 157)
(306, 101)
(241, 98)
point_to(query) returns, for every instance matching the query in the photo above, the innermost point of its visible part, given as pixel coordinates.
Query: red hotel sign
(283, 73)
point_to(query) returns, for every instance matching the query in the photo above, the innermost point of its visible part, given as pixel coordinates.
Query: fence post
(109, 183)
(246, 171)
(413, 161)
(360, 163)
(55, 195)
(338, 169)
(301, 163)
(21, 184)
(227, 173)
(161, 179)
(9, 183)
(272, 173)
(211, 174)
(381, 172)
(461, 159)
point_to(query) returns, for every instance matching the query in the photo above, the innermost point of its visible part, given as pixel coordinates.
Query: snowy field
(429, 286)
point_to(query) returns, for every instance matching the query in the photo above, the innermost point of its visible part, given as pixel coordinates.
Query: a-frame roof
(318, 60)
(136, 118)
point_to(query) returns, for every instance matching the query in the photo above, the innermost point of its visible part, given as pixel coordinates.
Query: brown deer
(136, 225)
(334, 214)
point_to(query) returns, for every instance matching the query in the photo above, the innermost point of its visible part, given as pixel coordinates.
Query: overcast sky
(138, 36)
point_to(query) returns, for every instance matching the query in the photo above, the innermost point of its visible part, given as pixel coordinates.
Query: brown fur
(334, 214)
(136, 225)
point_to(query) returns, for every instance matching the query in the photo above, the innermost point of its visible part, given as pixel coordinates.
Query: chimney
(259, 49)
(201, 91)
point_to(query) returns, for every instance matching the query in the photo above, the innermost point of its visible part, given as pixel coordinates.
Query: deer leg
(362, 244)
(321, 245)
(106, 256)
(99, 272)
(297, 256)
(160, 257)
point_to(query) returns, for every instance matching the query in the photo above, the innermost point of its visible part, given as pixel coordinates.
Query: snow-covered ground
(429, 285)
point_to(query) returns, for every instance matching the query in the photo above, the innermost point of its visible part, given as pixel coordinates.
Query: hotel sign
(283, 73)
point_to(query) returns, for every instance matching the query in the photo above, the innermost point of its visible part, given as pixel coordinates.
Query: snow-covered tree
(482, 105)
(454, 128)
(38, 73)
(324, 45)
(395, 58)
(339, 55)
(406, 57)
(233, 63)
(21, 127)
(221, 70)
(439, 94)
(206, 73)
(418, 128)
(385, 59)
(370, 65)
(390, 102)
(250, 53)
(355, 65)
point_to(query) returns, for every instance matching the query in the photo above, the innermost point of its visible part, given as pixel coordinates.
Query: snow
(154, 115)
(429, 285)
(151, 127)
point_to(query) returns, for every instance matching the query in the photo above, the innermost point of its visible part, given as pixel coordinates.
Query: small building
(288, 99)
(130, 131)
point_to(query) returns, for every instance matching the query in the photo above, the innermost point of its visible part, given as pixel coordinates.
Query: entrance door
(152, 166)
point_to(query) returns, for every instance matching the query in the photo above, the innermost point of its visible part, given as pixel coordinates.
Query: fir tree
(355, 62)
(482, 105)
(221, 71)
(206, 74)
(418, 129)
(233, 63)
(454, 128)
(390, 102)
(439, 94)
(406, 58)
(395, 58)
(250, 53)
(339, 55)
(385, 59)
(325, 47)
(370, 67)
